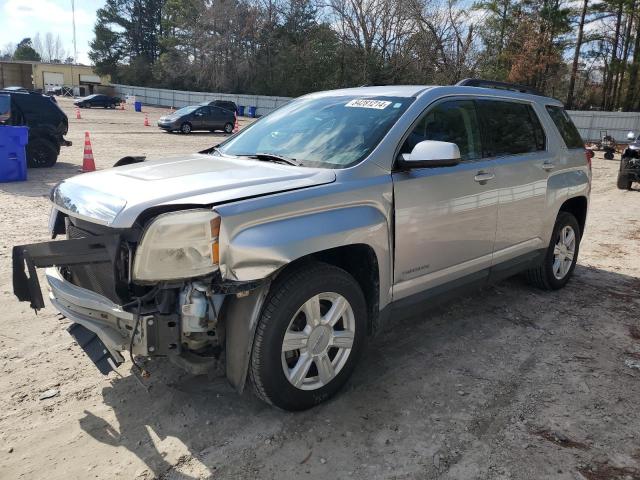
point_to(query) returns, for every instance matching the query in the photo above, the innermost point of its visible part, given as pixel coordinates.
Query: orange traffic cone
(235, 124)
(78, 117)
(146, 119)
(88, 165)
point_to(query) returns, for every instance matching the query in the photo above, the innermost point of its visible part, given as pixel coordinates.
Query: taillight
(589, 154)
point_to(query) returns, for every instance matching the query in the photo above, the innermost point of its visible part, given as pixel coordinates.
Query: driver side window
(453, 121)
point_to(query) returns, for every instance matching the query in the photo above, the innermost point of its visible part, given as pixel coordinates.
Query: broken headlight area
(154, 291)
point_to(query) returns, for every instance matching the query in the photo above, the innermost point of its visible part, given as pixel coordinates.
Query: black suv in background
(226, 104)
(97, 100)
(198, 117)
(47, 124)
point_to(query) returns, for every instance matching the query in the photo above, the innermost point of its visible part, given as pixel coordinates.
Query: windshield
(184, 110)
(330, 132)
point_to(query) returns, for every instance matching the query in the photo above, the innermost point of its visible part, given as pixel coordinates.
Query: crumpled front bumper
(96, 313)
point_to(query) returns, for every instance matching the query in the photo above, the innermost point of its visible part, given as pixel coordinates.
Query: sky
(25, 18)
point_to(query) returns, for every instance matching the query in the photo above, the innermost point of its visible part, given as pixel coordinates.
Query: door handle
(548, 166)
(483, 177)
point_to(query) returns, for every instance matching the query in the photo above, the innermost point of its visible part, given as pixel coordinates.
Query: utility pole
(75, 48)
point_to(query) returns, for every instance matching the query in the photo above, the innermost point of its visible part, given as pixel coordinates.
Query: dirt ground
(507, 383)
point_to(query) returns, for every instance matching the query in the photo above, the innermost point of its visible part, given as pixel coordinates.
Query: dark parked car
(47, 125)
(198, 117)
(97, 100)
(227, 105)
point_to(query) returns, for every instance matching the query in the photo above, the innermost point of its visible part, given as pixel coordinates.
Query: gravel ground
(507, 383)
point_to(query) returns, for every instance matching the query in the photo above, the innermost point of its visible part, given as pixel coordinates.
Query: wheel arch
(577, 206)
(358, 260)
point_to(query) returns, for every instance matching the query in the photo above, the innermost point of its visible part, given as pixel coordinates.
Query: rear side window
(510, 128)
(567, 129)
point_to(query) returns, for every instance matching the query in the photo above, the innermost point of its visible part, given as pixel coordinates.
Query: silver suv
(275, 254)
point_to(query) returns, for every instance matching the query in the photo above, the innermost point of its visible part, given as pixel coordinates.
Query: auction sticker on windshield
(364, 103)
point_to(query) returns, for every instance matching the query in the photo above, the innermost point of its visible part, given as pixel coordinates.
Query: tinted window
(510, 128)
(454, 122)
(227, 105)
(567, 129)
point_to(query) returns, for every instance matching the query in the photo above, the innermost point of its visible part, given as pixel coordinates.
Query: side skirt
(433, 297)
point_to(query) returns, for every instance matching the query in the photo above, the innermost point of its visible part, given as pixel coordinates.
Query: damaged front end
(153, 290)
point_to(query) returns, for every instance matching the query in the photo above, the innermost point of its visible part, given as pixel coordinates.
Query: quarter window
(453, 121)
(510, 128)
(567, 129)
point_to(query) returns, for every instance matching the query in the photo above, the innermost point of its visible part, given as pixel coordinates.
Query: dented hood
(117, 196)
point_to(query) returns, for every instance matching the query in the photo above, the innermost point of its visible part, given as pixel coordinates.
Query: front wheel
(185, 128)
(309, 337)
(228, 128)
(608, 155)
(561, 256)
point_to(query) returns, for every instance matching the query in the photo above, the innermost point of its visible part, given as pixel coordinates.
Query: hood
(117, 196)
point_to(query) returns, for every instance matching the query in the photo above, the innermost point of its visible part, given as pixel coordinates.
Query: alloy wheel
(318, 341)
(564, 252)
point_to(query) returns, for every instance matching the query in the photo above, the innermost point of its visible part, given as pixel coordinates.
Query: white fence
(592, 125)
(180, 98)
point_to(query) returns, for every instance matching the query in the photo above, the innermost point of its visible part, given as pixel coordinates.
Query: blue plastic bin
(138, 106)
(13, 158)
(241, 110)
(252, 112)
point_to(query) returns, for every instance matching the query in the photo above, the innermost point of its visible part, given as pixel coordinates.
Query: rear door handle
(483, 177)
(548, 166)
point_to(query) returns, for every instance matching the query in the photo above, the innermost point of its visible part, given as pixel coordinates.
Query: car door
(200, 118)
(445, 218)
(218, 117)
(516, 141)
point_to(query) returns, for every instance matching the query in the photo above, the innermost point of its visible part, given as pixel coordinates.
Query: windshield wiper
(272, 157)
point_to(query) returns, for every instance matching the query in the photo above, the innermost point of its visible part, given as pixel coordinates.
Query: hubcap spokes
(318, 341)
(563, 252)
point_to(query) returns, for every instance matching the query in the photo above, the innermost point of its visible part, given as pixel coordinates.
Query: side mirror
(5, 108)
(431, 153)
(631, 136)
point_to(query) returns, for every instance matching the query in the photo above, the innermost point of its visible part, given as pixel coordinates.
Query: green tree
(128, 38)
(25, 51)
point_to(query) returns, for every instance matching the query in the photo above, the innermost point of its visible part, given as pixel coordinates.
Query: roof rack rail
(478, 82)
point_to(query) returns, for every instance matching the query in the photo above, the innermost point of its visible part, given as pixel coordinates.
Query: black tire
(41, 153)
(624, 183)
(228, 127)
(542, 276)
(608, 155)
(185, 128)
(286, 296)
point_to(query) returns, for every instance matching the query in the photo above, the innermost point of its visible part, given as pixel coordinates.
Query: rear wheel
(41, 153)
(185, 127)
(624, 183)
(608, 155)
(561, 256)
(228, 127)
(309, 337)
